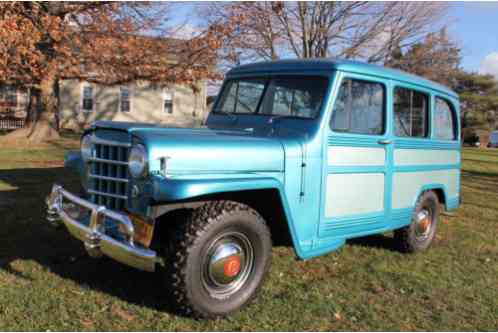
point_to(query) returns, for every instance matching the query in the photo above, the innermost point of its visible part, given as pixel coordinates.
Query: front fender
(167, 189)
(171, 190)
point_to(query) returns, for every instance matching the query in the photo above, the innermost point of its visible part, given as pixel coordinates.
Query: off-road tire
(190, 243)
(406, 238)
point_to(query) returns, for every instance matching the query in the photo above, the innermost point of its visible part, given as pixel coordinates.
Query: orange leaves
(100, 42)
(121, 313)
(19, 38)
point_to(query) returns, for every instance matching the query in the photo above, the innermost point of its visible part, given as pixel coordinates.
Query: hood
(205, 150)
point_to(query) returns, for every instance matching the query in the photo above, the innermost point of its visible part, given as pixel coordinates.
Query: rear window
(444, 120)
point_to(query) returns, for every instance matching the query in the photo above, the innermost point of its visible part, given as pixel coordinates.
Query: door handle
(384, 142)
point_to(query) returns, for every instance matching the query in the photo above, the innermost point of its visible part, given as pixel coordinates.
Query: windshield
(300, 97)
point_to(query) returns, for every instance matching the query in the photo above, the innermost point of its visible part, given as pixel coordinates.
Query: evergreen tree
(478, 100)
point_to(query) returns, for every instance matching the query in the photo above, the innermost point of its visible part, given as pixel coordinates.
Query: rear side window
(444, 120)
(411, 113)
(359, 108)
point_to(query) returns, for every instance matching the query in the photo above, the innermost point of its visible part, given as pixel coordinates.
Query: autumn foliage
(108, 43)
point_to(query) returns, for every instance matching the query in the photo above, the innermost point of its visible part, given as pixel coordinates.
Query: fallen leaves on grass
(88, 324)
(80, 293)
(121, 313)
(450, 287)
(378, 289)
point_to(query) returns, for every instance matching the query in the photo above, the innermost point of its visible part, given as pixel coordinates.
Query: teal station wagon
(321, 150)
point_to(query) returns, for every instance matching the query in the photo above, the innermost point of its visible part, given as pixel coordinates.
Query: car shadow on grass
(25, 236)
(380, 241)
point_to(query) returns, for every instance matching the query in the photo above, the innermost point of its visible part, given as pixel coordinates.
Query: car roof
(341, 65)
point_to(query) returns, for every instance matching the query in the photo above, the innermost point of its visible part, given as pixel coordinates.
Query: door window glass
(359, 108)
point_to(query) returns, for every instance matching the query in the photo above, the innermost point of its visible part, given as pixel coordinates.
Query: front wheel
(420, 233)
(222, 254)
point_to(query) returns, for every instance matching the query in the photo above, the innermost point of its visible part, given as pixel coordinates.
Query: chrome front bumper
(92, 233)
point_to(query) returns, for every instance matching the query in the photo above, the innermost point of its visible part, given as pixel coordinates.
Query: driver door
(357, 176)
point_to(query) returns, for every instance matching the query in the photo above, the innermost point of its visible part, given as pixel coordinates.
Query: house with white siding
(82, 103)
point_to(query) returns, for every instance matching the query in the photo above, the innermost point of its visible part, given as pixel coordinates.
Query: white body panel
(403, 157)
(407, 185)
(354, 193)
(356, 156)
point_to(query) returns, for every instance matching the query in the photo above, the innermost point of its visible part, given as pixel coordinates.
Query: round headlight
(86, 147)
(137, 161)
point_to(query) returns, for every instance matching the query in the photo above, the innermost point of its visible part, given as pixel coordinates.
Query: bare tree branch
(358, 29)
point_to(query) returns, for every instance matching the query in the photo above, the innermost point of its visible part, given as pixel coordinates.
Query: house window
(411, 110)
(87, 99)
(168, 101)
(124, 99)
(8, 97)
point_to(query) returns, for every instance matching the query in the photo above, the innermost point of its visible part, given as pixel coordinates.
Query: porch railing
(11, 123)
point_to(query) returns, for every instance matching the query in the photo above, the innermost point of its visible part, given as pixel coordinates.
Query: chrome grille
(108, 175)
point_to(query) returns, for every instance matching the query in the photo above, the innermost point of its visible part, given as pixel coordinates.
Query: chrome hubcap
(227, 265)
(423, 223)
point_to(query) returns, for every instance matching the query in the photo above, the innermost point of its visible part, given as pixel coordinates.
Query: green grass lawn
(48, 283)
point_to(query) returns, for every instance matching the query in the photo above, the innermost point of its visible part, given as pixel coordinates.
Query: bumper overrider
(65, 207)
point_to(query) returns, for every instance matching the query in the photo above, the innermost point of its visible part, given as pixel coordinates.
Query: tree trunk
(41, 122)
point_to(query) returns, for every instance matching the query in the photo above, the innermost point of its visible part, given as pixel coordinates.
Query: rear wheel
(221, 255)
(419, 234)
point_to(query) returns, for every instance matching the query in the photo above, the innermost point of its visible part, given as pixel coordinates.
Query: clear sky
(474, 25)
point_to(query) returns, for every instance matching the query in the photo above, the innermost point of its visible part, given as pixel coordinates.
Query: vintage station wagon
(321, 150)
